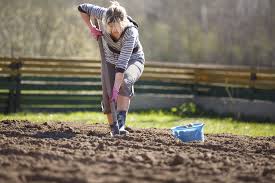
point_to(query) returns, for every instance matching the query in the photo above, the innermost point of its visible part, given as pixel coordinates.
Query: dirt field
(78, 153)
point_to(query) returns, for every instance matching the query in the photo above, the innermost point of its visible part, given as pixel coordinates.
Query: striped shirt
(125, 44)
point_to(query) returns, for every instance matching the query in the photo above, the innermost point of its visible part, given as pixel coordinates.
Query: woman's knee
(126, 88)
(128, 78)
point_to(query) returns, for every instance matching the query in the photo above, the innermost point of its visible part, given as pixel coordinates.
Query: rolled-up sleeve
(92, 10)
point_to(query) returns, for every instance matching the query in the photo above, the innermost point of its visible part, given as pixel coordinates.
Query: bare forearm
(86, 19)
(118, 80)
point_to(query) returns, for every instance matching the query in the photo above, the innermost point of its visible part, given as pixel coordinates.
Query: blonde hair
(115, 14)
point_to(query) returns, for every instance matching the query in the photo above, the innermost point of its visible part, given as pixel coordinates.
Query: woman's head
(115, 18)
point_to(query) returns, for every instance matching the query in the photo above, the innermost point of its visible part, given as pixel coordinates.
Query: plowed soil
(80, 153)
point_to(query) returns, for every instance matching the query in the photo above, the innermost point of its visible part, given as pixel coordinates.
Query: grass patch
(157, 119)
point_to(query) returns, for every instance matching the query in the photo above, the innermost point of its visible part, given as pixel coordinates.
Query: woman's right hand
(96, 33)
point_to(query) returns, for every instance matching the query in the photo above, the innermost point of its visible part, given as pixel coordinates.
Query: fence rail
(53, 84)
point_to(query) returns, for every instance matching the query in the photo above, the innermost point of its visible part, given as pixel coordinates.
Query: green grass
(156, 119)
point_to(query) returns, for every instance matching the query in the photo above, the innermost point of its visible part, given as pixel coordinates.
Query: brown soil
(78, 153)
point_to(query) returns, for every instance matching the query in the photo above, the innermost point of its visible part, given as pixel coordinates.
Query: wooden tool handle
(105, 74)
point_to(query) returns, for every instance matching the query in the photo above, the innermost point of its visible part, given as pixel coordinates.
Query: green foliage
(161, 38)
(224, 32)
(237, 53)
(186, 109)
(43, 28)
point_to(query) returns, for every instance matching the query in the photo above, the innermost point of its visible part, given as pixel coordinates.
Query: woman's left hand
(114, 95)
(95, 32)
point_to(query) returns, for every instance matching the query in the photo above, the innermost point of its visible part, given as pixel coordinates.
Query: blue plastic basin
(190, 132)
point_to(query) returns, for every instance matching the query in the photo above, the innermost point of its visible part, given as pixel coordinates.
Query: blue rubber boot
(121, 118)
(114, 129)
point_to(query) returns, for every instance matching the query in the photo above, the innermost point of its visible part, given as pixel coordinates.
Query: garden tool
(105, 74)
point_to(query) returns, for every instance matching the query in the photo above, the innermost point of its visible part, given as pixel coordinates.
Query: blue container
(190, 132)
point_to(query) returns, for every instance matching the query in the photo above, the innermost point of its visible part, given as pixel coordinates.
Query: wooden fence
(49, 84)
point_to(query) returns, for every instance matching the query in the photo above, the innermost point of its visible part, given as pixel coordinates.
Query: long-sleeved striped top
(125, 44)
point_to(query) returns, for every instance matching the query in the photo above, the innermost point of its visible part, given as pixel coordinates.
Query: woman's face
(115, 29)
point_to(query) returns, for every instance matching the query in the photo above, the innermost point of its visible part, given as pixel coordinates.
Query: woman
(124, 57)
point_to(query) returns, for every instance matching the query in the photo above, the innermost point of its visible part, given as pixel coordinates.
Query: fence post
(15, 89)
(10, 107)
(196, 82)
(253, 78)
(18, 85)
